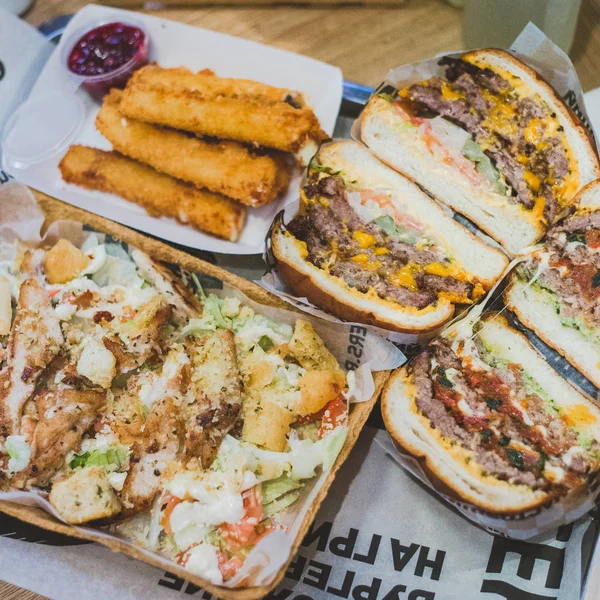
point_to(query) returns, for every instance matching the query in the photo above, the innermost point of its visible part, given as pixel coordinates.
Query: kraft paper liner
(532, 523)
(32, 507)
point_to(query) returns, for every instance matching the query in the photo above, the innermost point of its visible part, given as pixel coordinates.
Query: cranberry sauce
(107, 56)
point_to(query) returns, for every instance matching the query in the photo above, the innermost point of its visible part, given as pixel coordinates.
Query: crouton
(128, 416)
(309, 349)
(318, 388)
(146, 316)
(85, 496)
(97, 363)
(257, 372)
(266, 424)
(64, 262)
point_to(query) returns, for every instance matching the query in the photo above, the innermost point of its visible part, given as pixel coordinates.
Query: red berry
(105, 48)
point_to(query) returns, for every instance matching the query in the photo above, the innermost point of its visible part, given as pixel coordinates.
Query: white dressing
(97, 256)
(203, 560)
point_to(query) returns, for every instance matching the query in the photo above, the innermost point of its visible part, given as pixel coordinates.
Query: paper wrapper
(21, 219)
(533, 523)
(535, 49)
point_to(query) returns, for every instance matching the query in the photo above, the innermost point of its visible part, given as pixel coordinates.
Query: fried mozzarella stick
(239, 115)
(210, 85)
(226, 167)
(159, 194)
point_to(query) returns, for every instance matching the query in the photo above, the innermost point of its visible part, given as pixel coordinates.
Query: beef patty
(507, 128)
(327, 226)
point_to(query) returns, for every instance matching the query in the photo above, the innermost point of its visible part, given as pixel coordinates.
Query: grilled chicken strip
(163, 433)
(63, 417)
(186, 305)
(145, 332)
(217, 395)
(159, 446)
(195, 400)
(35, 339)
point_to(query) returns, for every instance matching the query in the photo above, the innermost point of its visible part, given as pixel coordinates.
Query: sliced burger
(492, 422)
(490, 139)
(369, 245)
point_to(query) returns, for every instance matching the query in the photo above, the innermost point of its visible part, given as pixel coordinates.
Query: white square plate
(174, 44)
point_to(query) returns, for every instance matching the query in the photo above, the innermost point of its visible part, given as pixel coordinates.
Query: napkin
(23, 53)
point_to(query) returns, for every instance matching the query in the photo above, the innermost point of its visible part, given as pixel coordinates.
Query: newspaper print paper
(396, 543)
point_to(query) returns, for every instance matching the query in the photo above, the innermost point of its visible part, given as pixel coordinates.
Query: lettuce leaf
(111, 458)
(306, 456)
(117, 271)
(213, 304)
(324, 169)
(395, 231)
(484, 166)
(19, 453)
(199, 288)
(278, 505)
(308, 431)
(274, 489)
(266, 343)
(211, 320)
(251, 329)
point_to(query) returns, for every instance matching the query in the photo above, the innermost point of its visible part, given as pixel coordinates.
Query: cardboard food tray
(172, 43)
(55, 210)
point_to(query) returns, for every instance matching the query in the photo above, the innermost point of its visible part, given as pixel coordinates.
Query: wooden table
(365, 42)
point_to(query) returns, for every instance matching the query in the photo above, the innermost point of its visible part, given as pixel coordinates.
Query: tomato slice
(584, 277)
(310, 418)
(243, 534)
(332, 408)
(165, 522)
(229, 566)
(334, 414)
(592, 238)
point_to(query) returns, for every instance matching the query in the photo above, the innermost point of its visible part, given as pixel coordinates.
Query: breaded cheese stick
(244, 118)
(208, 84)
(159, 194)
(226, 167)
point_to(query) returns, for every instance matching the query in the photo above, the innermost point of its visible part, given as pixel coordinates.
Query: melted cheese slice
(549, 125)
